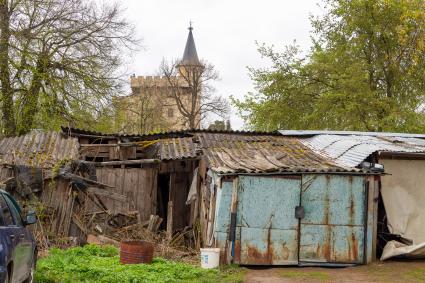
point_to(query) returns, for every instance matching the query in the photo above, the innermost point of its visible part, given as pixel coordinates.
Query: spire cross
(190, 25)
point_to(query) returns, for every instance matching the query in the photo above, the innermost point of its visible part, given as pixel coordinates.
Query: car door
(23, 247)
(9, 233)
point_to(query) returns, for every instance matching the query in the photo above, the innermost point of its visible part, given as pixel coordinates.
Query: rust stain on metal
(354, 246)
(326, 204)
(262, 258)
(352, 210)
(269, 244)
(237, 257)
(258, 257)
(326, 251)
(285, 251)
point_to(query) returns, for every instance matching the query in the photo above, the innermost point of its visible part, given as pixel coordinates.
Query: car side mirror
(30, 218)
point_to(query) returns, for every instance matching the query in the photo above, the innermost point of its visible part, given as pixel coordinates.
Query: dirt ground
(389, 271)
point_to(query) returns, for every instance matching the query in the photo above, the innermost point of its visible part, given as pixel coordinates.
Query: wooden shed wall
(138, 184)
(5, 173)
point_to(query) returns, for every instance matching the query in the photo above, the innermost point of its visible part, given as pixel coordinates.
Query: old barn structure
(281, 198)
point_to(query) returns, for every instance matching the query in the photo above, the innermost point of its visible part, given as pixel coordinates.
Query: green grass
(417, 274)
(306, 275)
(92, 263)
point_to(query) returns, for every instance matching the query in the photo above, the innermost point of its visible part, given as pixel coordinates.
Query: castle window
(170, 112)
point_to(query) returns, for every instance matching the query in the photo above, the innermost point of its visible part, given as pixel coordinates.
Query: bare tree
(193, 94)
(139, 113)
(58, 57)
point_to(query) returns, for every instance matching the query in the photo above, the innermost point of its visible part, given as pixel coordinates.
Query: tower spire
(190, 56)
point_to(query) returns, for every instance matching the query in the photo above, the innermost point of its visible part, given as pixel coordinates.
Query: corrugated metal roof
(347, 133)
(170, 134)
(38, 149)
(351, 150)
(178, 148)
(228, 153)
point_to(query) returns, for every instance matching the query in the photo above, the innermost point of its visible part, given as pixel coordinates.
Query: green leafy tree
(364, 72)
(59, 61)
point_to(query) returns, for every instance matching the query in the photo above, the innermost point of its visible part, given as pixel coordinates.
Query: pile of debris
(72, 210)
(47, 172)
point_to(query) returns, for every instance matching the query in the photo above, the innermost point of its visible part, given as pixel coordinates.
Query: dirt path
(391, 271)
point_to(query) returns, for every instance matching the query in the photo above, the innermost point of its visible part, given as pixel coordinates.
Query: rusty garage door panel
(268, 228)
(332, 229)
(269, 246)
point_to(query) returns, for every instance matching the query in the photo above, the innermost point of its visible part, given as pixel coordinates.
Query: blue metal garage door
(332, 230)
(267, 227)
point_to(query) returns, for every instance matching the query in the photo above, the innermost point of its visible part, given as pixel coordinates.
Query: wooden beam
(126, 144)
(103, 192)
(170, 220)
(402, 155)
(123, 162)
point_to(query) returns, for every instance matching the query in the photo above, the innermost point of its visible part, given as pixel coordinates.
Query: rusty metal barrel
(133, 252)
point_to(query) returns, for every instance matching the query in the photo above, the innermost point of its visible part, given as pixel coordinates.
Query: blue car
(18, 252)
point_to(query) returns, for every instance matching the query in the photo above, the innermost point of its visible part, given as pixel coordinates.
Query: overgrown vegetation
(364, 72)
(61, 61)
(92, 263)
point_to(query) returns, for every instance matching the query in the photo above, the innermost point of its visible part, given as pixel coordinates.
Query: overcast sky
(225, 33)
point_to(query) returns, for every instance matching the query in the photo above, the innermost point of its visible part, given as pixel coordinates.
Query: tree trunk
(7, 106)
(192, 124)
(30, 105)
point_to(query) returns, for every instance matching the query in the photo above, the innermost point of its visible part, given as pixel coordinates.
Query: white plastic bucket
(210, 257)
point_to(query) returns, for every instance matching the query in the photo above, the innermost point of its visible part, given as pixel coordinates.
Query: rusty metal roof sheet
(228, 154)
(38, 149)
(178, 148)
(351, 150)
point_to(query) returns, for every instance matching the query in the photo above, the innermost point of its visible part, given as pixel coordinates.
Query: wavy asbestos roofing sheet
(38, 149)
(351, 150)
(178, 148)
(228, 154)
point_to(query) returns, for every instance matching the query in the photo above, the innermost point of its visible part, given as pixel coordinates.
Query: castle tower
(151, 107)
(190, 58)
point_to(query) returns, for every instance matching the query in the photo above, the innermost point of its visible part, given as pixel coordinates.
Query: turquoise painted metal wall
(332, 230)
(265, 215)
(222, 218)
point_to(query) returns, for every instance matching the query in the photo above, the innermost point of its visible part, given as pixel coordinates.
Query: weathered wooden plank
(377, 187)
(370, 186)
(170, 217)
(106, 193)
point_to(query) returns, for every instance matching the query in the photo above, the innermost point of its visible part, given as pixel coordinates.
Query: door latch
(299, 212)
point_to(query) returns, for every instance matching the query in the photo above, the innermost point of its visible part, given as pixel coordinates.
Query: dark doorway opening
(163, 198)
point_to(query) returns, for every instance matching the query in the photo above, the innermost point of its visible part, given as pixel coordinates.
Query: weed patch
(92, 263)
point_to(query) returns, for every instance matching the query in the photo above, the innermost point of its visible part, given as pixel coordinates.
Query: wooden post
(232, 232)
(377, 188)
(170, 220)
